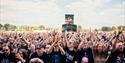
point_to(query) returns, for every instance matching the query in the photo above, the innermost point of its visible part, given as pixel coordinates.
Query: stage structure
(69, 23)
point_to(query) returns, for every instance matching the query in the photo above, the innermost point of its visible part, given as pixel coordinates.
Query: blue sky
(88, 13)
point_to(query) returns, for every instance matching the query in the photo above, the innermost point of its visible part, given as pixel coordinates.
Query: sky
(51, 13)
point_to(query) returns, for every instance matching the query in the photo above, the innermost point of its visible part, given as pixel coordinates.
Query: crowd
(62, 47)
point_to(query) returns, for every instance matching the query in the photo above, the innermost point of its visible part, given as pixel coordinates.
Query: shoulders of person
(112, 57)
(45, 54)
(114, 52)
(56, 53)
(33, 55)
(71, 52)
(12, 55)
(89, 49)
(1, 56)
(29, 51)
(53, 52)
(124, 51)
(80, 51)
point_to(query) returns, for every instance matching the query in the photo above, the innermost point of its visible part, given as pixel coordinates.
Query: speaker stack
(69, 23)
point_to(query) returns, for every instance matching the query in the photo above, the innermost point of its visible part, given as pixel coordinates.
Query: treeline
(105, 28)
(11, 27)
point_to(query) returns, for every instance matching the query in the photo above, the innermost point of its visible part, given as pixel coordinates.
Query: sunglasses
(5, 50)
(38, 48)
(47, 47)
(35, 62)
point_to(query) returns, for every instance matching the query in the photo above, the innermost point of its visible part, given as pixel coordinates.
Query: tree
(123, 27)
(6, 26)
(41, 27)
(1, 26)
(79, 27)
(113, 28)
(12, 27)
(119, 27)
(104, 28)
(96, 30)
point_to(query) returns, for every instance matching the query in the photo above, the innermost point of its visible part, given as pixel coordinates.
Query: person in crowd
(57, 53)
(84, 54)
(66, 47)
(21, 56)
(31, 50)
(47, 48)
(6, 56)
(70, 52)
(117, 54)
(40, 53)
(36, 60)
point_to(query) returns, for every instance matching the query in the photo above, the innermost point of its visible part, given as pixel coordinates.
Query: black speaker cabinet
(69, 27)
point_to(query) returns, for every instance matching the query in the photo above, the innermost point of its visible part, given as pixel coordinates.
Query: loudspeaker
(69, 18)
(69, 27)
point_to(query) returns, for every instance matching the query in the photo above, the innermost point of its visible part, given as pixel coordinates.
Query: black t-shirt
(56, 57)
(44, 57)
(70, 56)
(7, 58)
(87, 52)
(116, 57)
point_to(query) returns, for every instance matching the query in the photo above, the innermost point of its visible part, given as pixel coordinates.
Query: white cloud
(88, 4)
(49, 12)
(31, 13)
(115, 14)
(88, 16)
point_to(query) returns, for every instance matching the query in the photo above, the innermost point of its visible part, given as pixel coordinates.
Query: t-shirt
(56, 57)
(70, 56)
(44, 57)
(7, 58)
(116, 57)
(85, 53)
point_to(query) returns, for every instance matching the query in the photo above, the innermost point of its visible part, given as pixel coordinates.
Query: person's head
(4, 44)
(85, 45)
(36, 60)
(70, 43)
(56, 48)
(20, 52)
(84, 60)
(119, 46)
(40, 49)
(6, 50)
(100, 46)
(32, 47)
(13, 49)
(47, 47)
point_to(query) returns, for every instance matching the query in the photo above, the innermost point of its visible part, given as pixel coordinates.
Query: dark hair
(40, 46)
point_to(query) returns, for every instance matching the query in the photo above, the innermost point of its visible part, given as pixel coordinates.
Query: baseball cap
(40, 46)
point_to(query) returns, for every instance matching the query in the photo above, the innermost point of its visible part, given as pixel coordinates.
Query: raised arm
(51, 47)
(61, 49)
(27, 42)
